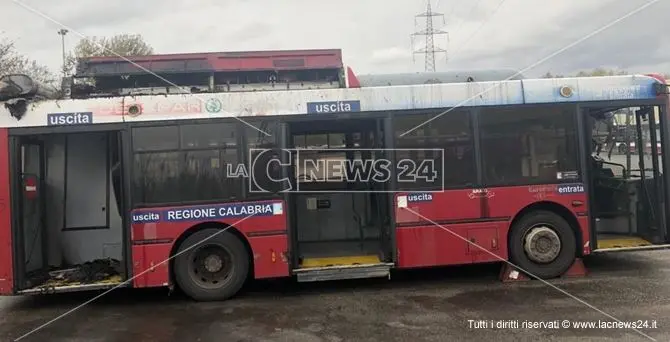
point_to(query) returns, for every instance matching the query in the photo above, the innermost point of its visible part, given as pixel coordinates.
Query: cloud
(374, 36)
(392, 54)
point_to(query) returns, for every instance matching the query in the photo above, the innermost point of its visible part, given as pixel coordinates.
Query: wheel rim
(542, 244)
(211, 266)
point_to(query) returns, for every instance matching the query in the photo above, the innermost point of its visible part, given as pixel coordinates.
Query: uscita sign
(421, 197)
(333, 107)
(58, 119)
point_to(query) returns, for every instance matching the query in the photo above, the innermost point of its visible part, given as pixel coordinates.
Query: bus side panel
(434, 230)
(6, 268)
(155, 230)
(447, 244)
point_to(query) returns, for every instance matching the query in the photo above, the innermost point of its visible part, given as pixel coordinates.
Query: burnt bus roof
(610, 91)
(212, 62)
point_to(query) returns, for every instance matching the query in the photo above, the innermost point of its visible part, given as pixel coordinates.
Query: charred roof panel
(212, 62)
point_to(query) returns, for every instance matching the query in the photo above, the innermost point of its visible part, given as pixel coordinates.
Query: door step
(311, 274)
(340, 261)
(622, 242)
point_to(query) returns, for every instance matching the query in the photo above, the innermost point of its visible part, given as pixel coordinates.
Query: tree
(550, 75)
(12, 62)
(601, 72)
(597, 72)
(122, 44)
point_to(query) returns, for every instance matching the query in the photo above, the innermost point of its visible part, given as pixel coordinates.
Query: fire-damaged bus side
(161, 193)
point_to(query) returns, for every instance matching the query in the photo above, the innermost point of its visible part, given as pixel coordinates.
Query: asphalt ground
(423, 305)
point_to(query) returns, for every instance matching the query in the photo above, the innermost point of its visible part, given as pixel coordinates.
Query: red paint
(190, 106)
(576, 270)
(447, 244)
(6, 267)
(262, 246)
(175, 107)
(352, 79)
(422, 242)
(151, 265)
(659, 77)
(265, 264)
(30, 187)
(107, 108)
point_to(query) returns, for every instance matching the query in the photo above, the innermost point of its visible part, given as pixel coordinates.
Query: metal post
(629, 113)
(62, 33)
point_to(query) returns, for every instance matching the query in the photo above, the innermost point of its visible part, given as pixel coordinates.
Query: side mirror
(14, 86)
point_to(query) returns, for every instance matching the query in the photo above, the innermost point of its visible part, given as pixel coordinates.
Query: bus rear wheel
(209, 268)
(543, 244)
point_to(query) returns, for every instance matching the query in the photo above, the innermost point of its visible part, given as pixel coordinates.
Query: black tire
(568, 244)
(622, 148)
(189, 275)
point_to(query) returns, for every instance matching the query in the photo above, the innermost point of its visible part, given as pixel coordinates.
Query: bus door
(628, 187)
(31, 205)
(651, 203)
(341, 216)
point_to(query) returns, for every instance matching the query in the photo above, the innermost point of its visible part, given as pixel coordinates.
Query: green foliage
(13, 62)
(122, 44)
(601, 72)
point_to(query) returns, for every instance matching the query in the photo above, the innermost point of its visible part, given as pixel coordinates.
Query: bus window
(443, 142)
(531, 145)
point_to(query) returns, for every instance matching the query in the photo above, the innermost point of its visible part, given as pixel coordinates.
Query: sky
(374, 35)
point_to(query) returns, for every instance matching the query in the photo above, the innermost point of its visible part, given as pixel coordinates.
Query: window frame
(470, 113)
(182, 152)
(274, 128)
(576, 153)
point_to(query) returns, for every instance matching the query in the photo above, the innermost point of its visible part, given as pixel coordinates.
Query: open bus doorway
(69, 228)
(340, 219)
(627, 186)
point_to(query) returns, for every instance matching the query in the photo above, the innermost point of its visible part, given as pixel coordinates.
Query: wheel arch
(207, 225)
(558, 209)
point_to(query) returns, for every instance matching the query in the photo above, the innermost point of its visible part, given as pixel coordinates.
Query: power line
(472, 10)
(429, 32)
(452, 9)
(481, 26)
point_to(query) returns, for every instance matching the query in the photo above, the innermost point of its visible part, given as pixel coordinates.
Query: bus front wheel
(211, 265)
(542, 244)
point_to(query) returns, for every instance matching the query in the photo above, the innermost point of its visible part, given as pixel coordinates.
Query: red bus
(284, 164)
